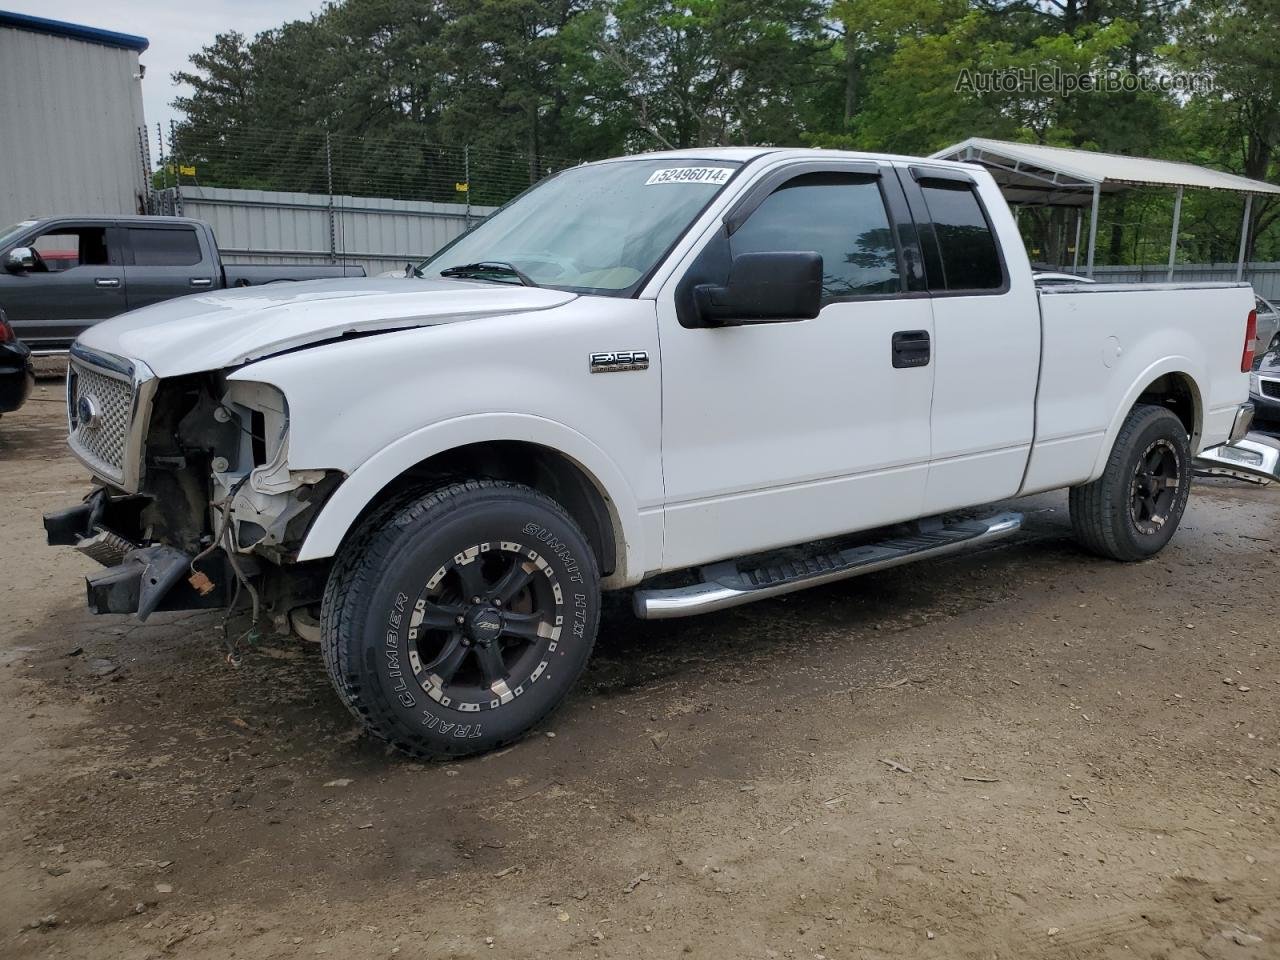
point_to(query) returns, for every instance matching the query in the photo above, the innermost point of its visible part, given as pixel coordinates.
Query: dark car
(16, 374)
(1264, 391)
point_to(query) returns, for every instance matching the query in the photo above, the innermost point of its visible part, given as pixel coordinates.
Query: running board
(726, 584)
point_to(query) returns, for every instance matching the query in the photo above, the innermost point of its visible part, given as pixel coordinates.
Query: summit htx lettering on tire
(456, 620)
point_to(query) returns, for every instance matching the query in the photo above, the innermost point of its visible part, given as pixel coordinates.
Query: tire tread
(1096, 518)
(354, 573)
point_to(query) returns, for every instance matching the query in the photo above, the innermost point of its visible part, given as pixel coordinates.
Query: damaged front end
(208, 508)
(138, 579)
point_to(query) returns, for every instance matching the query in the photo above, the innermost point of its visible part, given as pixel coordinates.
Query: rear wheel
(456, 620)
(1133, 509)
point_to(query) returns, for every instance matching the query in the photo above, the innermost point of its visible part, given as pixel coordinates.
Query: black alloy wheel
(484, 621)
(1156, 481)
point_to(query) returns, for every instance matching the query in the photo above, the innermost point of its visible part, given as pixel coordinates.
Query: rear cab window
(968, 258)
(164, 246)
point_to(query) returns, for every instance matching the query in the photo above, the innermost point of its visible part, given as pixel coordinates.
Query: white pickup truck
(745, 370)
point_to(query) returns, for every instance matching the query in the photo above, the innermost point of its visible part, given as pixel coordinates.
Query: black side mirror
(764, 287)
(20, 260)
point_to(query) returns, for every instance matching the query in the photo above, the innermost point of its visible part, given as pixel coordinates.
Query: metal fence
(313, 197)
(265, 226)
(1265, 277)
(316, 162)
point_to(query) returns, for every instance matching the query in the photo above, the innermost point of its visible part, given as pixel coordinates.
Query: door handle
(911, 348)
(106, 282)
(201, 282)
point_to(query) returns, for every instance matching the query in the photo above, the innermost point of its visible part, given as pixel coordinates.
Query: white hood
(212, 331)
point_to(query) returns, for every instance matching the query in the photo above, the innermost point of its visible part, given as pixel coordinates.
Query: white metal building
(70, 112)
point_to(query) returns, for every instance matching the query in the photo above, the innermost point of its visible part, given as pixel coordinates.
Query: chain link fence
(317, 162)
(311, 196)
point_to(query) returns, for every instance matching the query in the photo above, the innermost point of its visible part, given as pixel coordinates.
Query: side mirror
(764, 287)
(20, 260)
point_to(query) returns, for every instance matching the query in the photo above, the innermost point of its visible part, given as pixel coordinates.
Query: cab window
(164, 246)
(65, 248)
(840, 216)
(970, 254)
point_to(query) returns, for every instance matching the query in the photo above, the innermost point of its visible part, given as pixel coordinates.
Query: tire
(1132, 511)
(419, 663)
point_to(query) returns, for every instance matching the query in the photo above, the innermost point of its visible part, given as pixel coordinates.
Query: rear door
(986, 321)
(166, 260)
(78, 280)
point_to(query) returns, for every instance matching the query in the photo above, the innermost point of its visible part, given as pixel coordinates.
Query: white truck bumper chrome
(1256, 458)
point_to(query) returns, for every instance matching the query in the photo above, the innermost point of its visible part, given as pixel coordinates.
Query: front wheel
(456, 620)
(1132, 510)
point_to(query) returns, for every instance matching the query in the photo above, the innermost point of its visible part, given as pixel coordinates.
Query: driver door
(78, 280)
(783, 432)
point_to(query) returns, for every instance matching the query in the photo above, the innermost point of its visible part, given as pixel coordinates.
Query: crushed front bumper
(139, 579)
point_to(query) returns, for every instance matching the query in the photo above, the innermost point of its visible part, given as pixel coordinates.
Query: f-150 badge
(616, 361)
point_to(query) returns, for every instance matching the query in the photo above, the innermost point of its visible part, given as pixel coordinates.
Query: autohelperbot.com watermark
(1054, 81)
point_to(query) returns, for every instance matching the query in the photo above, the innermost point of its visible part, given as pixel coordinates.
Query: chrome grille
(108, 405)
(1271, 388)
(99, 405)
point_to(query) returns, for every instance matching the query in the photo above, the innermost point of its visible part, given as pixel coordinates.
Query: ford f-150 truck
(62, 274)
(712, 375)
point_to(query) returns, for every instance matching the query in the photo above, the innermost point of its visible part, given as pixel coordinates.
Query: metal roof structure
(74, 31)
(1038, 175)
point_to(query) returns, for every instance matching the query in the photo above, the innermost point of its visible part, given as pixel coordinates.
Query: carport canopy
(1039, 175)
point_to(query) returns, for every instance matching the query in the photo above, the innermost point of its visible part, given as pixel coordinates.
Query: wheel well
(541, 468)
(1177, 392)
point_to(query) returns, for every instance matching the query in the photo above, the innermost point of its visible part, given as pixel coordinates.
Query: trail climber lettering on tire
(460, 731)
(391, 651)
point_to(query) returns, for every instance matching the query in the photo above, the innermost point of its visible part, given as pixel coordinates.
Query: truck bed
(1101, 347)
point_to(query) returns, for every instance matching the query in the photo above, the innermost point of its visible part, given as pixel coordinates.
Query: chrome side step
(726, 584)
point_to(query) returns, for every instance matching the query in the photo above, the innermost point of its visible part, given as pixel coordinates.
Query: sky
(176, 30)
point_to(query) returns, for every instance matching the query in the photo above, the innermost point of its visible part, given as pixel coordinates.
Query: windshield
(9, 234)
(591, 229)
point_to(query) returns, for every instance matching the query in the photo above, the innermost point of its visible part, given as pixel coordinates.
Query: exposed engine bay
(218, 511)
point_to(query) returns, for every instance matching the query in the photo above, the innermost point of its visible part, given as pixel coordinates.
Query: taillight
(6, 331)
(1250, 335)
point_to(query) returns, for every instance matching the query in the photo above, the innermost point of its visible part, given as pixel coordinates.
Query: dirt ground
(1017, 753)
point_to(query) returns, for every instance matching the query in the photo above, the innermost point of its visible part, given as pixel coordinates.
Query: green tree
(711, 72)
(1235, 125)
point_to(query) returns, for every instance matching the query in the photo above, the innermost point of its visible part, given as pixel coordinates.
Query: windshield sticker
(690, 175)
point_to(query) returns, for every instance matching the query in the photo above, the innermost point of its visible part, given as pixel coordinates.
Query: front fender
(639, 535)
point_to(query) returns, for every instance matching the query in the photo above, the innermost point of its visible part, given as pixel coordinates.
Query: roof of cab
(127, 219)
(747, 154)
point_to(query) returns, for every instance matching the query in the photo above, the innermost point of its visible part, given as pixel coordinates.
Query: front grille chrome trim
(123, 471)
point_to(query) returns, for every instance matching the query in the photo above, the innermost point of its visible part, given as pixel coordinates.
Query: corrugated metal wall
(1265, 277)
(69, 117)
(272, 227)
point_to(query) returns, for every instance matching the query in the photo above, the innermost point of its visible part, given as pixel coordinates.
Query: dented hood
(226, 328)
